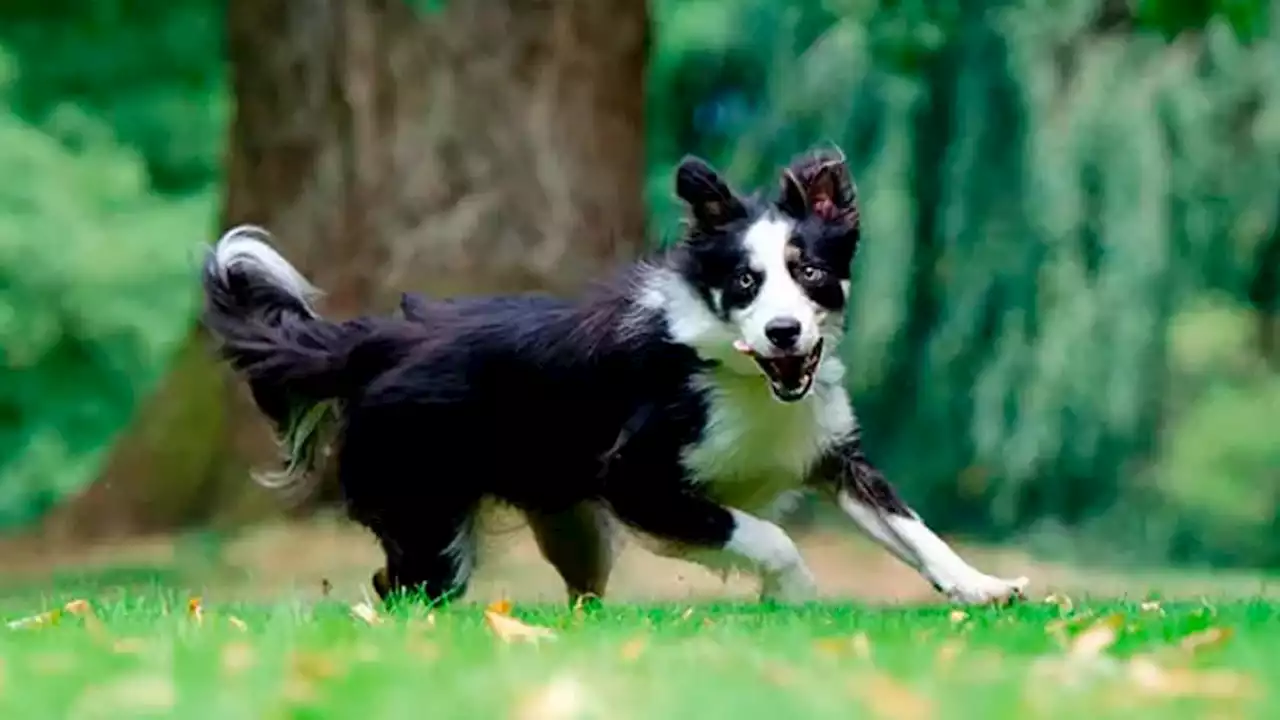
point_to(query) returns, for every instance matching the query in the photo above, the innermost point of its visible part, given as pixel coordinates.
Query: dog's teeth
(806, 379)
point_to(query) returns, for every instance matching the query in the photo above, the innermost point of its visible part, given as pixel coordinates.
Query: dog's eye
(812, 274)
(745, 280)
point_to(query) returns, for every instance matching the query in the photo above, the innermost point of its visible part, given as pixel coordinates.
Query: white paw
(794, 585)
(980, 589)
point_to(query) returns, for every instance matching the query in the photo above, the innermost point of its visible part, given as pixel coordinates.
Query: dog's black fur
(580, 413)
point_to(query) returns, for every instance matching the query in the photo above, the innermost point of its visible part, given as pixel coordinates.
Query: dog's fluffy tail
(298, 365)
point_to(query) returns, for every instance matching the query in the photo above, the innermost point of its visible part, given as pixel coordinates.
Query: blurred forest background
(1065, 322)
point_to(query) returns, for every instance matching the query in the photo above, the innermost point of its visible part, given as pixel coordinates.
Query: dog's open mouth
(790, 376)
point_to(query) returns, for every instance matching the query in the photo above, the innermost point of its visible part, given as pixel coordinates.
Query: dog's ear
(709, 198)
(819, 184)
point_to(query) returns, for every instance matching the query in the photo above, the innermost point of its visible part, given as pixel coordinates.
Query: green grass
(144, 655)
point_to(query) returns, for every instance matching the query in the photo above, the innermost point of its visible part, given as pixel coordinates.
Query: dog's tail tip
(248, 251)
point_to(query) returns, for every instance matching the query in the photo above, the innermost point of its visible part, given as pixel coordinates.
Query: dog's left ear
(819, 184)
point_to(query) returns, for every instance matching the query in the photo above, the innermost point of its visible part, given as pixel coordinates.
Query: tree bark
(492, 146)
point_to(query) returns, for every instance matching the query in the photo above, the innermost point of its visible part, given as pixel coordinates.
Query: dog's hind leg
(579, 544)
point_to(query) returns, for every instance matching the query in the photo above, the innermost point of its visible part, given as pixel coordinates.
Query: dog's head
(770, 275)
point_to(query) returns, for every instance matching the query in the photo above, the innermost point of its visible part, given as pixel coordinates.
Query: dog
(687, 399)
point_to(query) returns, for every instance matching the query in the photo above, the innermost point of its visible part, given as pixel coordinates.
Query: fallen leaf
(634, 648)
(237, 657)
(195, 610)
(778, 674)
(83, 610)
(1151, 606)
(958, 616)
(500, 607)
(45, 618)
(888, 698)
(364, 611)
(1062, 601)
(688, 613)
(1153, 679)
(1100, 636)
(129, 646)
(237, 623)
(1207, 639)
(859, 646)
(510, 630)
(948, 652)
(561, 699)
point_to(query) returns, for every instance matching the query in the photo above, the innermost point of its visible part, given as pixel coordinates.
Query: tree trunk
(493, 146)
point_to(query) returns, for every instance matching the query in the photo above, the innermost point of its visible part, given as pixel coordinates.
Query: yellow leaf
(237, 623)
(129, 646)
(958, 616)
(859, 646)
(888, 698)
(1207, 639)
(1062, 601)
(1100, 636)
(195, 610)
(43, 619)
(509, 629)
(501, 607)
(634, 648)
(561, 699)
(1152, 679)
(364, 611)
(688, 613)
(948, 652)
(237, 658)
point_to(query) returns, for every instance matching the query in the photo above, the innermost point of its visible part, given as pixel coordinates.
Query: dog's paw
(988, 590)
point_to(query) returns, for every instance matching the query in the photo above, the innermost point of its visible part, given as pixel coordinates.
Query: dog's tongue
(788, 369)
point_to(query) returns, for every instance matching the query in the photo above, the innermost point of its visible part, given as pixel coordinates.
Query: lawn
(162, 653)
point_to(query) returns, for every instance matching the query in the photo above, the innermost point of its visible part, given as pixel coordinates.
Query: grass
(142, 653)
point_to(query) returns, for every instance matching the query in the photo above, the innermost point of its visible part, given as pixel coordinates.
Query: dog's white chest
(754, 449)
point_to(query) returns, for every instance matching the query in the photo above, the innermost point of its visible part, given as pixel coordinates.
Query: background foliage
(1069, 210)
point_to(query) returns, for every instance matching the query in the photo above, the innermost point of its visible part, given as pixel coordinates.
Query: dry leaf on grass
(364, 611)
(859, 646)
(1207, 639)
(1151, 606)
(78, 607)
(632, 649)
(511, 630)
(1100, 636)
(1062, 601)
(958, 616)
(501, 606)
(1152, 679)
(237, 623)
(237, 658)
(888, 698)
(195, 610)
(563, 698)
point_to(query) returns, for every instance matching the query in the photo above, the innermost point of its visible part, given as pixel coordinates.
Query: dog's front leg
(864, 494)
(680, 522)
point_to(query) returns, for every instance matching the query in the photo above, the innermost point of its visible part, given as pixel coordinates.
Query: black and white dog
(688, 399)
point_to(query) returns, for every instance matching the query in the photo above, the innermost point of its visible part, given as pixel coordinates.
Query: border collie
(688, 399)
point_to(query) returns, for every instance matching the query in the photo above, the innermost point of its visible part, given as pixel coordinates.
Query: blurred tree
(485, 146)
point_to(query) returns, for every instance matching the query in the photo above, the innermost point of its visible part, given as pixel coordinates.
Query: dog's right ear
(709, 198)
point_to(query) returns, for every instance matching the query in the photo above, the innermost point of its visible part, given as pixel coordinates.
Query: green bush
(95, 285)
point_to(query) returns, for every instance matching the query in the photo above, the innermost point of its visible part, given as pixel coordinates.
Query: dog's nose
(783, 332)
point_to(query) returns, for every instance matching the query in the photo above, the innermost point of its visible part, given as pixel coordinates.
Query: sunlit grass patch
(166, 654)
